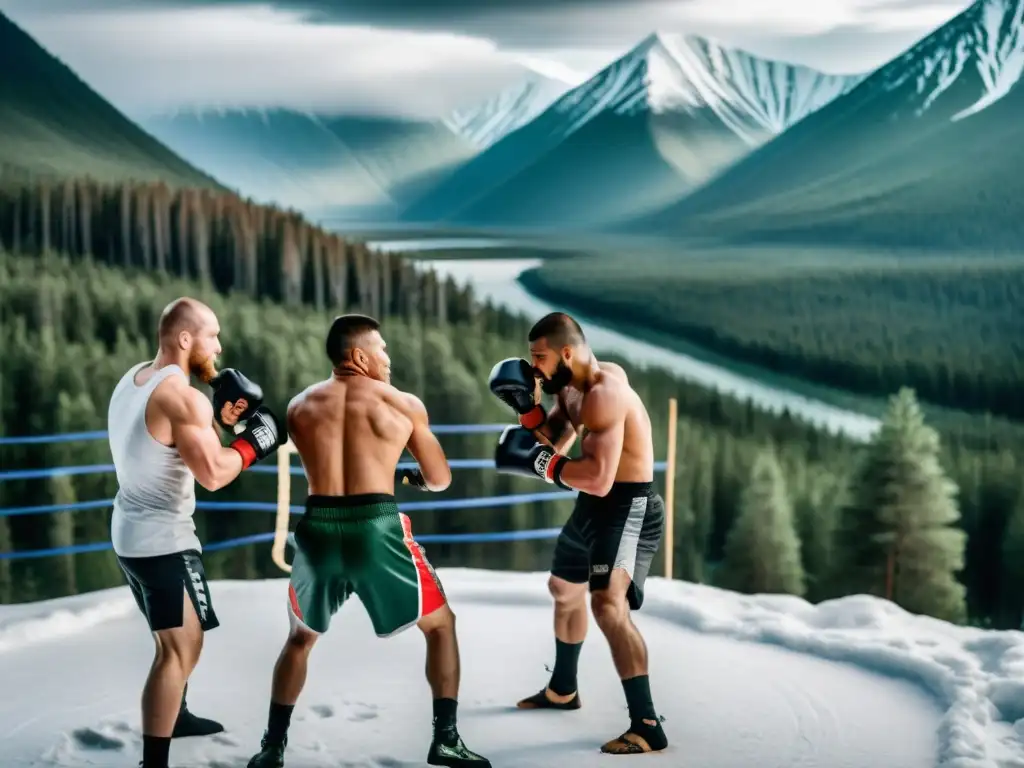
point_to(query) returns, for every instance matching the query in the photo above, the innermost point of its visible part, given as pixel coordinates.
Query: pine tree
(816, 513)
(762, 550)
(1013, 566)
(93, 570)
(703, 495)
(895, 537)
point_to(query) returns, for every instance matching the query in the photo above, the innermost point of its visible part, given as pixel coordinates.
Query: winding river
(496, 279)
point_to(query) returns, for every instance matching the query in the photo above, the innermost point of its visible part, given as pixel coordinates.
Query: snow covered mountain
(342, 166)
(966, 65)
(925, 151)
(751, 96)
(484, 124)
(654, 123)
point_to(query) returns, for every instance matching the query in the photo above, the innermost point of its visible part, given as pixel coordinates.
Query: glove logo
(264, 436)
(541, 463)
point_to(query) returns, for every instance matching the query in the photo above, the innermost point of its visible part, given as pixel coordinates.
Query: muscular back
(350, 433)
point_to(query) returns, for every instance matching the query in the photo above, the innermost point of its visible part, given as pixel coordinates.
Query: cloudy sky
(425, 57)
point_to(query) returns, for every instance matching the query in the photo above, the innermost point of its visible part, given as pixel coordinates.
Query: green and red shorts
(360, 545)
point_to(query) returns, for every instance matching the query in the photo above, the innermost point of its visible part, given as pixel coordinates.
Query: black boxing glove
(261, 436)
(231, 386)
(519, 453)
(411, 477)
(513, 382)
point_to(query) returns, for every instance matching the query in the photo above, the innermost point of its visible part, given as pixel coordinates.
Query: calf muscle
(444, 667)
(177, 652)
(611, 612)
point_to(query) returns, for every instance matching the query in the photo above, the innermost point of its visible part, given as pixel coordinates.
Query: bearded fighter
(350, 431)
(617, 523)
(162, 439)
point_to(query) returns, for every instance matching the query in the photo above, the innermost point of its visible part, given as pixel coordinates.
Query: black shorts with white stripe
(159, 585)
(620, 530)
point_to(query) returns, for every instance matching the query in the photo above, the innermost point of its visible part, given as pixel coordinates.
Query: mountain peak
(486, 123)
(970, 62)
(680, 73)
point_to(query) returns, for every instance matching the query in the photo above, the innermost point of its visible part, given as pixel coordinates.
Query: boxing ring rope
(283, 508)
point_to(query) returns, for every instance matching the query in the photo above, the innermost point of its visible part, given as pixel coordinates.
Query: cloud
(425, 57)
(816, 17)
(151, 60)
(542, 23)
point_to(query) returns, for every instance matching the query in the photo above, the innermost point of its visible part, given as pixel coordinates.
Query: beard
(205, 368)
(560, 379)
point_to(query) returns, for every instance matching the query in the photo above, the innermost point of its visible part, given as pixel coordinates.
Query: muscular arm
(604, 418)
(191, 417)
(425, 447)
(556, 430)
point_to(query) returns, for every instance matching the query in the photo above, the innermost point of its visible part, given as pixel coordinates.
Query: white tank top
(156, 495)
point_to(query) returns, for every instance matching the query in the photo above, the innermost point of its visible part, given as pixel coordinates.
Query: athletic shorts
(158, 584)
(620, 530)
(360, 545)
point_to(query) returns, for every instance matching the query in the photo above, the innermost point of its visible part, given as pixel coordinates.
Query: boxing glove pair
(238, 405)
(514, 382)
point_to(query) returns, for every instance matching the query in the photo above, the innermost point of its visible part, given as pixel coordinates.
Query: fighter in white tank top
(156, 498)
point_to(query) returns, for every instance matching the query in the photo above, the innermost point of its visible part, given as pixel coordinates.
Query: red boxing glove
(534, 418)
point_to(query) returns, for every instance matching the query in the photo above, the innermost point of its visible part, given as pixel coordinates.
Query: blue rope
(260, 469)
(257, 538)
(69, 437)
(266, 506)
(66, 437)
(35, 474)
(475, 503)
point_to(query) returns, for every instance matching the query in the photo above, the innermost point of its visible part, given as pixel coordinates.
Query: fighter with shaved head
(162, 439)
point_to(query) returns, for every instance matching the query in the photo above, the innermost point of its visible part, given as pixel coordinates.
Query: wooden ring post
(284, 505)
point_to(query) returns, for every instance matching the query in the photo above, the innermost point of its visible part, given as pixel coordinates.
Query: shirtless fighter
(162, 440)
(350, 431)
(616, 526)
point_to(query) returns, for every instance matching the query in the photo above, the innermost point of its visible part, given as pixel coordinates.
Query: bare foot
(548, 699)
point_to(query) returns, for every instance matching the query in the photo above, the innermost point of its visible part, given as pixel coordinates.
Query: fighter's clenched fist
(520, 453)
(235, 397)
(514, 382)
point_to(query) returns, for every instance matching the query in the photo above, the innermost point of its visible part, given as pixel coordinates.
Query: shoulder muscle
(413, 407)
(185, 405)
(604, 406)
(616, 370)
(295, 405)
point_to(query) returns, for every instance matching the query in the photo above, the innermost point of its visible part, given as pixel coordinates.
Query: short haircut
(182, 314)
(343, 333)
(559, 330)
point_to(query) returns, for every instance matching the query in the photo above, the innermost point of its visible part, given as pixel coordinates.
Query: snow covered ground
(744, 682)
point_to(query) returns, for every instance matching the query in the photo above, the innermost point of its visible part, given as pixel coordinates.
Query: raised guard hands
(235, 398)
(514, 383)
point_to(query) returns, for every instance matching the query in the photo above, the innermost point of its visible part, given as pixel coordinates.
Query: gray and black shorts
(620, 530)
